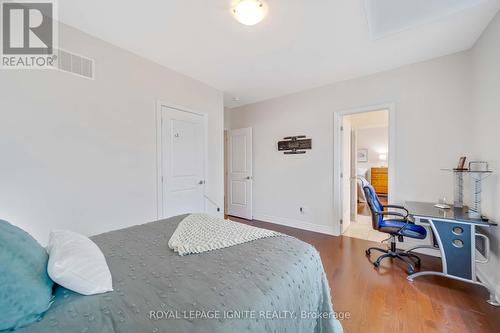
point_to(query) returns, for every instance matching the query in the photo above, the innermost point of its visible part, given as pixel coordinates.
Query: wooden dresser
(379, 180)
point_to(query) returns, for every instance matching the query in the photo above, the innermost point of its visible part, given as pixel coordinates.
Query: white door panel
(240, 173)
(239, 153)
(183, 149)
(239, 191)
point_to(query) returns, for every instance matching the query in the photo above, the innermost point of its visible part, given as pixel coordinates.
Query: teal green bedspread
(269, 285)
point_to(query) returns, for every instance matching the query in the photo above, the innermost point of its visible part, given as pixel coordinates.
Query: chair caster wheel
(368, 252)
(376, 264)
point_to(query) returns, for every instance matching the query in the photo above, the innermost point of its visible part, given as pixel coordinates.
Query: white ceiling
(386, 17)
(301, 44)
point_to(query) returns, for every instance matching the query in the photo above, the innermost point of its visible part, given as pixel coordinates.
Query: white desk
(455, 233)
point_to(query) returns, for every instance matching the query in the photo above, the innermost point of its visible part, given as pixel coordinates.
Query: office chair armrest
(385, 212)
(397, 207)
(405, 218)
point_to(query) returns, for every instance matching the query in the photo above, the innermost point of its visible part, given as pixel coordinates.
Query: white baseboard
(488, 281)
(322, 229)
(329, 230)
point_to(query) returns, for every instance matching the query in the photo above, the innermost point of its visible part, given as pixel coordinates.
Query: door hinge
(341, 175)
(341, 128)
(341, 221)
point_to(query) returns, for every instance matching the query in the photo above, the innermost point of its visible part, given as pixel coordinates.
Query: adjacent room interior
(365, 149)
(250, 166)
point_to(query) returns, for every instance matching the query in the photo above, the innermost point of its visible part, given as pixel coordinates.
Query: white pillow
(77, 263)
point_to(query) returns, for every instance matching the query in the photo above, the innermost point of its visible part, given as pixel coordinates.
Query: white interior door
(240, 173)
(346, 173)
(183, 162)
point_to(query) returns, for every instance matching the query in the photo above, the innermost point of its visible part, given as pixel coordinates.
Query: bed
(268, 285)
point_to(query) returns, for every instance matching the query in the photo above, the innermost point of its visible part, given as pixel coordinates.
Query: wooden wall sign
(294, 144)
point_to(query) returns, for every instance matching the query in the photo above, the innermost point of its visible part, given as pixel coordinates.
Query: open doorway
(365, 153)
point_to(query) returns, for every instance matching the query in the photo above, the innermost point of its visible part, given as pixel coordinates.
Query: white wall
(486, 61)
(81, 154)
(376, 141)
(433, 103)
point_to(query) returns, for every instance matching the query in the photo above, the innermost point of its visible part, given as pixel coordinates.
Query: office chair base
(393, 253)
(432, 247)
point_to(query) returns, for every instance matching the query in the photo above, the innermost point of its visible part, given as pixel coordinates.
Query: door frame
(354, 164)
(337, 155)
(345, 135)
(159, 153)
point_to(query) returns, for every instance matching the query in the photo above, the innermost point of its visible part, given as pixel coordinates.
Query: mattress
(268, 285)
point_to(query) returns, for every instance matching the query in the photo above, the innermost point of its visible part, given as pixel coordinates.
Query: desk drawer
(379, 180)
(381, 189)
(379, 171)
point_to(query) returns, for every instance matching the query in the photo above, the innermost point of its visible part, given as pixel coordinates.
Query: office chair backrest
(374, 205)
(363, 181)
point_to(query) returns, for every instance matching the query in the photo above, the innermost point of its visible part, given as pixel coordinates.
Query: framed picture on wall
(362, 155)
(461, 163)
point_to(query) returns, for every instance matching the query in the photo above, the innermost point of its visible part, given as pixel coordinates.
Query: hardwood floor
(384, 301)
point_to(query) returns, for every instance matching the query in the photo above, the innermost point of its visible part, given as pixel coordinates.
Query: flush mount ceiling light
(249, 12)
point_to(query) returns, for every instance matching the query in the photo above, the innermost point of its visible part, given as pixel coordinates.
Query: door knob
(201, 182)
(248, 177)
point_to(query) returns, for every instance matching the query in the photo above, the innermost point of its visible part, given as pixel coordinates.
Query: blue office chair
(394, 223)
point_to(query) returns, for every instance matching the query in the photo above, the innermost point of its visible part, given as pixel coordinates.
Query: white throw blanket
(199, 233)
